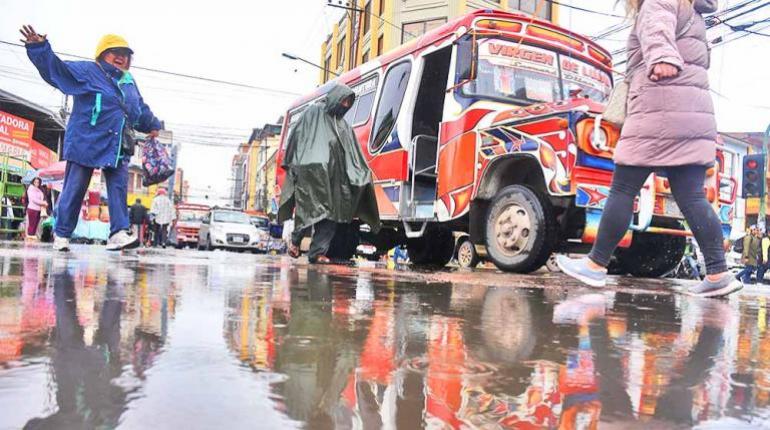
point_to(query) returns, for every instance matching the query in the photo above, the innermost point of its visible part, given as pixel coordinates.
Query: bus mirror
(466, 63)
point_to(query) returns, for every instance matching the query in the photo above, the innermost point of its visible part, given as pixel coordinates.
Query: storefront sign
(16, 141)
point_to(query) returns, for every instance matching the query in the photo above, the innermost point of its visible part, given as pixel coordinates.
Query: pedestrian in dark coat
(328, 182)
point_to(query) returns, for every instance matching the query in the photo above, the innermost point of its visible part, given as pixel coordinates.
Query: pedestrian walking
(765, 264)
(107, 109)
(137, 214)
(669, 127)
(328, 182)
(750, 257)
(36, 203)
(163, 212)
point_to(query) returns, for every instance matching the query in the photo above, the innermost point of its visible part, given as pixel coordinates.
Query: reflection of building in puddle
(249, 326)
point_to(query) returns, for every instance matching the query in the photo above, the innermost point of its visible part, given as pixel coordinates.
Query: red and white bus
(488, 125)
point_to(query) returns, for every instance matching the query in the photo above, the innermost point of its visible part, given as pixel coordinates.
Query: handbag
(157, 164)
(617, 104)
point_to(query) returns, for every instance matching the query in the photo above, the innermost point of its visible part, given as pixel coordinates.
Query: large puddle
(219, 340)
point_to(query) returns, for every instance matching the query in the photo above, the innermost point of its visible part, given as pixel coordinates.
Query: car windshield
(232, 217)
(191, 216)
(528, 74)
(260, 222)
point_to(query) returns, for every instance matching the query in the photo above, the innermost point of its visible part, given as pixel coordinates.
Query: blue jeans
(76, 180)
(745, 274)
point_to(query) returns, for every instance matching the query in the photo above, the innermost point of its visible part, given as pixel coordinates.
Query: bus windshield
(527, 74)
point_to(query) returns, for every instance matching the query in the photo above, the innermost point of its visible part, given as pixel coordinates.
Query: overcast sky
(242, 41)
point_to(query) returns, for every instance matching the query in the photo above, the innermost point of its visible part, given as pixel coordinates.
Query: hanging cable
(181, 75)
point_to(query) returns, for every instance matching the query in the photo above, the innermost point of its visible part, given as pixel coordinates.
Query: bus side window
(393, 90)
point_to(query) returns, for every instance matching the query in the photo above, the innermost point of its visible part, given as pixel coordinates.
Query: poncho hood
(334, 98)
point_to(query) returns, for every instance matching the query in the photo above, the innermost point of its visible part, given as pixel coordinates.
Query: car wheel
(520, 229)
(466, 254)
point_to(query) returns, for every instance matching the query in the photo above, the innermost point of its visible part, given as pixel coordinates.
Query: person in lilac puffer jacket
(670, 128)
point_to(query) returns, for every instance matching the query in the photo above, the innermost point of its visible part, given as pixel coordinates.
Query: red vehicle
(188, 223)
(490, 125)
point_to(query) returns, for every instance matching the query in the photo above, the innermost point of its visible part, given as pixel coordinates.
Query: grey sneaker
(122, 240)
(724, 286)
(578, 269)
(61, 244)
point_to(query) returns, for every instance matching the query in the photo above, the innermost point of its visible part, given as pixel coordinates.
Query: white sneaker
(122, 240)
(61, 244)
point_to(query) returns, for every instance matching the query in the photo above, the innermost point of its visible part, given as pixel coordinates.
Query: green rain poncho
(326, 173)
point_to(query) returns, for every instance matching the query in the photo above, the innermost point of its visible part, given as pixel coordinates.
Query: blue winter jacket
(94, 131)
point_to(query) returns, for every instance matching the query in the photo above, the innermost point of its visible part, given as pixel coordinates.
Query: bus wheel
(652, 255)
(466, 254)
(435, 248)
(520, 229)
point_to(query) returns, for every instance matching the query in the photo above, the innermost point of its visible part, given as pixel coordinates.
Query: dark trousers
(745, 274)
(161, 234)
(76, 181)
(687, 186)
(323, 234)
(33, 219)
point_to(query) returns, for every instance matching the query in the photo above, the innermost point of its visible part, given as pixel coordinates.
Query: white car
(229, 229)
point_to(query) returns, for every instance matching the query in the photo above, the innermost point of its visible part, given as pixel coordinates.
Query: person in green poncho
(328, 183)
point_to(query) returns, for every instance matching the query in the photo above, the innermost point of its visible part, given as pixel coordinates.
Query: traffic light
(753, 175)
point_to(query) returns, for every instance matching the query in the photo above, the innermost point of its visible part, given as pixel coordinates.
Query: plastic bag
(157, 165)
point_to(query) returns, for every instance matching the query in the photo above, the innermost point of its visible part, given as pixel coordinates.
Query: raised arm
(656, 29)
(63, 75)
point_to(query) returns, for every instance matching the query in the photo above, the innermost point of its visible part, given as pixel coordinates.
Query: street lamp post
(296, 58)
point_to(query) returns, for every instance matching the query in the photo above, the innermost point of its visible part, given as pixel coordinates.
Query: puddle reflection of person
(676, 403)
(85, 396)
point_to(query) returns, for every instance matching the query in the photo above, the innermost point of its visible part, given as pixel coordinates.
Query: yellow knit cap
(111, 41)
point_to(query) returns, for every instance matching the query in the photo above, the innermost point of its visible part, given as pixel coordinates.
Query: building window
(413, 30)
(327, 65)
(380, 44)
(542, 7)
(367, 16)
(381, 12)
(365, 57)
(341, 52)
(393, 90)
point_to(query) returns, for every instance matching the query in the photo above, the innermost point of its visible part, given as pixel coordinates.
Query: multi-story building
(252, 167)
(374, 27)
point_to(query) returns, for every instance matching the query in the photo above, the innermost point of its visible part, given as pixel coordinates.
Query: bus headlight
(599, 139)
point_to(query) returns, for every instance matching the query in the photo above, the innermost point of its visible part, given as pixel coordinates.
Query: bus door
(421, 187)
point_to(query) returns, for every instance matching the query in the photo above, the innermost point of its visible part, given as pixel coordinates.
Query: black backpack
(738, 246)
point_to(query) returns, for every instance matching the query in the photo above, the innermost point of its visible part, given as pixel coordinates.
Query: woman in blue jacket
(106, 101)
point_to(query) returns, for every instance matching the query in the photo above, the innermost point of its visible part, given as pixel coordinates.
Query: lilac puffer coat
(670, 122)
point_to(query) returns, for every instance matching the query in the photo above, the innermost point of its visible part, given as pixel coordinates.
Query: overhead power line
(581, 9)
(181, 75)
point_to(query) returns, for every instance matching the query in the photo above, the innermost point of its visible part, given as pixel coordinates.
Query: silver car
(229, 229)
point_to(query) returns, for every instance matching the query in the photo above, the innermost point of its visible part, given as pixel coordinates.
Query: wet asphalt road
(186, 339)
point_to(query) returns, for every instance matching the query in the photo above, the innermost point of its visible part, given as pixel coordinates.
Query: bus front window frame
(561, 91)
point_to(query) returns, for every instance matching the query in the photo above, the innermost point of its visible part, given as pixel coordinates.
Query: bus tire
(435, 248)
(651, 255)
(520, 229)
(467, 256)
